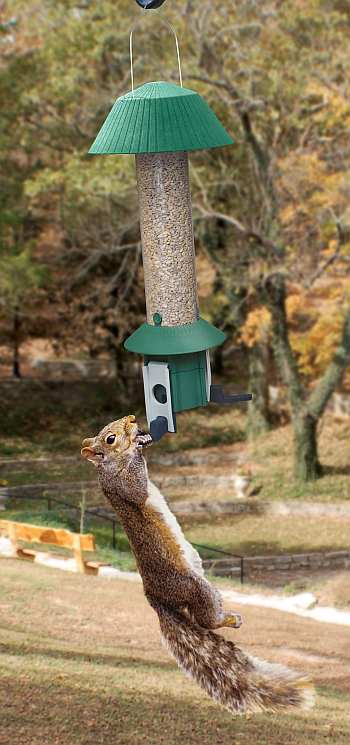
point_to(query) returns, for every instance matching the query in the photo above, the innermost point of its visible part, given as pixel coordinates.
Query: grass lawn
(253, 535)
(271, 458)
(82, 664)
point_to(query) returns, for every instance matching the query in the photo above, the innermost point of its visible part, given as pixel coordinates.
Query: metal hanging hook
(171, 28)
(150, 4)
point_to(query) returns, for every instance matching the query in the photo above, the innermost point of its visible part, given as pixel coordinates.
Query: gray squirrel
(189, 609)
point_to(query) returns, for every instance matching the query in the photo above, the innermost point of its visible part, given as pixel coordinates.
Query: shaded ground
(82, 664)
(48, 417)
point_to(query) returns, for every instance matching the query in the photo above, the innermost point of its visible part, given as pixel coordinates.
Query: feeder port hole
(160, 394)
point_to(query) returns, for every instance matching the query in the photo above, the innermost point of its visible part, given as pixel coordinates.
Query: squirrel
(189, 608)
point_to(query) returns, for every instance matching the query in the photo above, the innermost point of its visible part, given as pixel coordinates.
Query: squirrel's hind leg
(206, 609)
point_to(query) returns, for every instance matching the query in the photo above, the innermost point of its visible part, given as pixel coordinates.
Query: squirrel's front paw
(143, 440)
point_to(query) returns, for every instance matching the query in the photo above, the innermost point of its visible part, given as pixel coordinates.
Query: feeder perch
(160, 123)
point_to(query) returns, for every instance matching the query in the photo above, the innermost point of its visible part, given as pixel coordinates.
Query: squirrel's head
(118, 441)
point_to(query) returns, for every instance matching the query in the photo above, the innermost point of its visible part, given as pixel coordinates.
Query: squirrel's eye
(110, 439)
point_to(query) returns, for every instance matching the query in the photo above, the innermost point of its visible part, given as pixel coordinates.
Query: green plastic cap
(164, 340)
(158, 118)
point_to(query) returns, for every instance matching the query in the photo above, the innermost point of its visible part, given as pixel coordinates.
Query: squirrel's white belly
(156, 500)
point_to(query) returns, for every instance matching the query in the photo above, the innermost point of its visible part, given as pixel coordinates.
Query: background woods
(271, 213)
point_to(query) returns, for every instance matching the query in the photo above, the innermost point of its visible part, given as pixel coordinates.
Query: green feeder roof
(158, 118)
(159, 340)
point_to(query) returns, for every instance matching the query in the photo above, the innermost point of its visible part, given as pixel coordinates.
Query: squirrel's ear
(89, 454)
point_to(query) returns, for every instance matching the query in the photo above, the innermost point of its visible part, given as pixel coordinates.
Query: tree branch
(331, 259)
(243, 107)
(245, 232)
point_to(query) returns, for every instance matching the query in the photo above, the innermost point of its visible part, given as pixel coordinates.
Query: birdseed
(167, 237)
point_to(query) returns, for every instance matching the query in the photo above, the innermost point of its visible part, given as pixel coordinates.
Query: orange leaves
(331, 191)
(257, 327)
(334, 108)
(313, 199)
(315, 322)
(316, 348)
(299, 310)
(287, 213)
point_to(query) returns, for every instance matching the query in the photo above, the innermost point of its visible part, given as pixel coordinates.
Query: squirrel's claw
(237, 621)
(143, 440)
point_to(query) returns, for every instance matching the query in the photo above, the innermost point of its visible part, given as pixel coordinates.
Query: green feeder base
(176, 371)
(188, 381)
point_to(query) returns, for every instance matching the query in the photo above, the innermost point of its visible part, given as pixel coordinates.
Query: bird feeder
(160, 123)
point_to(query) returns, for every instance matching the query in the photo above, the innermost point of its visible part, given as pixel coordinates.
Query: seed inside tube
(167, 237)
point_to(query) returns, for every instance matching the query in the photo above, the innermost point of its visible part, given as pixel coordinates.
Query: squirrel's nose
(87, 442)
(129, 425)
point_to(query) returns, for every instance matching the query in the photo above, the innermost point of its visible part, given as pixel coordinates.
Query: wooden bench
(76, 542)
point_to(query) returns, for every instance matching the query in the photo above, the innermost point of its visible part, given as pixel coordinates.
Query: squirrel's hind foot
(231, 619)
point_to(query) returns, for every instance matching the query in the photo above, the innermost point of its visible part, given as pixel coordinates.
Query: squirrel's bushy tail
(237, 681)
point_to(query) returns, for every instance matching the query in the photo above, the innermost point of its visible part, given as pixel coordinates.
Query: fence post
(113, 535)
(78, 554)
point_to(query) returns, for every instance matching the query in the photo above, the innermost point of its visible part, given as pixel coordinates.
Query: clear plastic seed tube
(167, 237)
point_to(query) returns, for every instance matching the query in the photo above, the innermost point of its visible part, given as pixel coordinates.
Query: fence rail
(225, 553)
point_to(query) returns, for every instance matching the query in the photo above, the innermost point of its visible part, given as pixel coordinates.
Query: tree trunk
(333, 374)
(217, 361)
(258, 409)
(307, 466)
(128, 379)
(275, 289)
(16, 344)
(305, 412)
